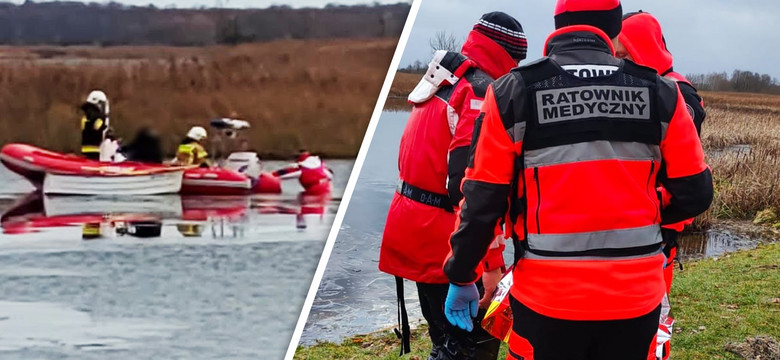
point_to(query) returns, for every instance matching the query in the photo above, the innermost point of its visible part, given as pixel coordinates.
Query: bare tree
(443, 40)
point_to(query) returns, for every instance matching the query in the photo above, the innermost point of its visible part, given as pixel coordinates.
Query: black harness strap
(405, 333)
(424, 196)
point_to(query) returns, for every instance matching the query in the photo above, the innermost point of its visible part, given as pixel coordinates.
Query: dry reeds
(317, 94)
(403, 84)
(742, 140)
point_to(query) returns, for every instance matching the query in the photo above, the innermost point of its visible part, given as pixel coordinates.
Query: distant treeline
(417, 67)
(739, 81)
(76, 23)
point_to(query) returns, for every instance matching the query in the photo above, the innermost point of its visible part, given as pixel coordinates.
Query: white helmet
(197, 133)
(99, 99)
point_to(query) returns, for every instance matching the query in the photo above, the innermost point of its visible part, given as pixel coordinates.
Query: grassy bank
(716, 302)
(317, 94)
(741, 137)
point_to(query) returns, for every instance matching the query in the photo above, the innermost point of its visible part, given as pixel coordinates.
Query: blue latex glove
(462, 305)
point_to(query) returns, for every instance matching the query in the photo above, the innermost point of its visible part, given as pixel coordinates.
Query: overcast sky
(235, 3)
(703, 35)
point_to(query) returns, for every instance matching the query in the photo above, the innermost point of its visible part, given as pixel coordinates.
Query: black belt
(424, 196)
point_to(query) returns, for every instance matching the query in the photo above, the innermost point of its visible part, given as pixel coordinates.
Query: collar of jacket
(488, 55)
(577, 38)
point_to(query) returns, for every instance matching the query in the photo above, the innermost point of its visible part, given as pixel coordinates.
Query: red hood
(644, 40)
(489, 56)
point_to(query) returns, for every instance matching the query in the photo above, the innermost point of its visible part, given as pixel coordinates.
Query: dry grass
(741, 137)
(317, 94)
(403, 84)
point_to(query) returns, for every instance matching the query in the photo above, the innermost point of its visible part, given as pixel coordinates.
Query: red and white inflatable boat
(219, 181)
(56, 173)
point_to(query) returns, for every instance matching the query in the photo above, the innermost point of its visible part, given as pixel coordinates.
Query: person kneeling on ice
(191, 151)
(94, 124)
(312, 173)
(580, 191)
(642, 41)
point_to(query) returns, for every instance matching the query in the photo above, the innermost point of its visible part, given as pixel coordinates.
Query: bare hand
(490, 281)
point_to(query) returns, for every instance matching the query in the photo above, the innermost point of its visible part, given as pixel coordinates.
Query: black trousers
(451, 342)
(557, 339)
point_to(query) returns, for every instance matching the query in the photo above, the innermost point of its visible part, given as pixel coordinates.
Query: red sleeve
(462, 110)
(494, 259)
(465, 108)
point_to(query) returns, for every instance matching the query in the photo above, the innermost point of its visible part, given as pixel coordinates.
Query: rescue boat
(220, 181)
(56, 173)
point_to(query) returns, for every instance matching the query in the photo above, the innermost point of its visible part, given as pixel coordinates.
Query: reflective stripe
(664, 127)
(517, 132)
(610, 239)
(90, 149)
(593, 150)
(531, 256)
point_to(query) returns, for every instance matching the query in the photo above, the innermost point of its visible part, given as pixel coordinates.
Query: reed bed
(741, 136)
(317, 94)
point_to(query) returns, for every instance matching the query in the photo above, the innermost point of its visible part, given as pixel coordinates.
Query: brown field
(317, 94)
(741, 137)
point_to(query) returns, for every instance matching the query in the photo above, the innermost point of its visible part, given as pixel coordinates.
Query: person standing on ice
(571, 146)
(94, 124)
(642, 41)
(191, 150)
(433, 155)
(314, 176)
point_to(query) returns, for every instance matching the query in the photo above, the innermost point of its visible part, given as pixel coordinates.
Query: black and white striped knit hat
(505, 31)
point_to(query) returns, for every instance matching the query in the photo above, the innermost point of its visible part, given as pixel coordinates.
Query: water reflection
(144, 217)
(714, 242)
(225, 278)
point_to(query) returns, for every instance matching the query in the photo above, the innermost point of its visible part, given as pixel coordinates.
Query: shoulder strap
(405, 332)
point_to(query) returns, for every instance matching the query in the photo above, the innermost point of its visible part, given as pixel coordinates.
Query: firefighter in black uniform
(94, 124)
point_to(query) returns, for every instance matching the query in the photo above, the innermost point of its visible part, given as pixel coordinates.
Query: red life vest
(415, 240)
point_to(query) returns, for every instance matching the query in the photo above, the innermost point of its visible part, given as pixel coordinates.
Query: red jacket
(643, 38)
(432, 158)
(574, 143)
